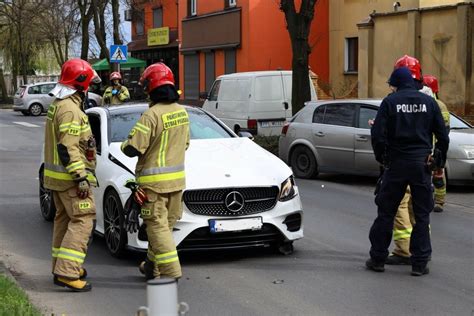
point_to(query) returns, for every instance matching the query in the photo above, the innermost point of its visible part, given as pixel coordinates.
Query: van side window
(339, 114)
(268, 88)
(214, 91)
(318, 115)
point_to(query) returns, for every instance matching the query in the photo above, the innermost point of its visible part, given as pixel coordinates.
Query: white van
(258, 102)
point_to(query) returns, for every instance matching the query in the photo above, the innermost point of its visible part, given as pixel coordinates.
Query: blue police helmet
(401, 77)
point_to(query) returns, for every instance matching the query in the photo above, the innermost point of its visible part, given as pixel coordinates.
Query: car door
(333, 137)
(46, 99)
(211, 105)
(365, 162)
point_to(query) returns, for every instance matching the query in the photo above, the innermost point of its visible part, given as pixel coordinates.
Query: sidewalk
(6, 106)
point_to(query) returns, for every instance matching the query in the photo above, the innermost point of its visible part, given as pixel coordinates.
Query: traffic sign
(118, 53)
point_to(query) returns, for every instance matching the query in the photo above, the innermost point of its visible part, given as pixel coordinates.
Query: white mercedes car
(237, 194)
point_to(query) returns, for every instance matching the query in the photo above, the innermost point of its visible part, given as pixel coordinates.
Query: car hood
(226, 162)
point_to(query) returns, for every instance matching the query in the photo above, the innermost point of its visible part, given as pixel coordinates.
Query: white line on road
(25, 124)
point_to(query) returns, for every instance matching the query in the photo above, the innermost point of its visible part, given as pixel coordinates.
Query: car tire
(47, 207)
(114, 224)
(92, 103)
(25, 113)
(286, 248)
(303, 163)
(36, 109)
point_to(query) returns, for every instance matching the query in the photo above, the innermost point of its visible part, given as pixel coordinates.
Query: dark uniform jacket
(405, 124)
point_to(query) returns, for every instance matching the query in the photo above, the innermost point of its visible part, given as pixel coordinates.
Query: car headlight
(469, 150)
(287, 190)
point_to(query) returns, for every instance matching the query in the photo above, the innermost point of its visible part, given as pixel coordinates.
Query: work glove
(132, 211)
(83, 187)
(114, 91)
(138, 194)
(435, 161)
(438, 180)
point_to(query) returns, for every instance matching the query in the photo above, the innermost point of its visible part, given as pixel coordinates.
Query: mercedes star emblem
(234, 201)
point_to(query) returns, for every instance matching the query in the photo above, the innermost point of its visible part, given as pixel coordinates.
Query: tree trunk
(99, 23)
(86, 16)
(298, 25)
(3, 87)
(116, 21)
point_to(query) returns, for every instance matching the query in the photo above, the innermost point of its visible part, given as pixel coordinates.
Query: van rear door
(268, 106)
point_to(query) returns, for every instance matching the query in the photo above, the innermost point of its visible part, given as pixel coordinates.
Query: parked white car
(258, 102)
(237, 194)
(33, 99)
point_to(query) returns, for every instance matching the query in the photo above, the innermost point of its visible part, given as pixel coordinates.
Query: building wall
(441, 38)
(265, 42)
(170, 17)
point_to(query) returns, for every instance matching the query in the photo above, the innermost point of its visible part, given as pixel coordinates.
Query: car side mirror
(245, 134)
(204, 95)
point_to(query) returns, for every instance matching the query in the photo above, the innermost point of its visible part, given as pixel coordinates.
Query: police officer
(116, 93)
(402, 141)
(69, 164)
(160, 139)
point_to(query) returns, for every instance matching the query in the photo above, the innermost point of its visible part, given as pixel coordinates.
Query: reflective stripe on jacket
(161, 137)
(67, 126)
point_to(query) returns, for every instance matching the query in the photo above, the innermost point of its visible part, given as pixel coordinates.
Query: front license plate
(232, 225)
(272, 124)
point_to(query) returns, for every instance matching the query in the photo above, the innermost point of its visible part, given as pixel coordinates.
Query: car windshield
(202, 126)
(456, 123)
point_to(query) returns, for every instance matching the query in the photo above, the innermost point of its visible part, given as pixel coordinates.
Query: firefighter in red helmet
(160, 139)
(116, 93)
(69, 164)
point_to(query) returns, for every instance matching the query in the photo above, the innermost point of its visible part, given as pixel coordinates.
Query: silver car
(334, 137)
(33, 99)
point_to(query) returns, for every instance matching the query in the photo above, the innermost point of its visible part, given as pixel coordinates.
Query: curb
(6, 106)
(7, 273)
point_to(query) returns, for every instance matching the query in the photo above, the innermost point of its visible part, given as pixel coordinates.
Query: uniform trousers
(396, 178)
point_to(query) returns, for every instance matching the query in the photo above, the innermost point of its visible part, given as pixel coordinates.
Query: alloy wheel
(36, 109)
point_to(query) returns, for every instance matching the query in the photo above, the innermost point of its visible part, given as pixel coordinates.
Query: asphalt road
(324, 276)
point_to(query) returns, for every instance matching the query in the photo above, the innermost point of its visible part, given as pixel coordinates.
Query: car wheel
(286, 248)
(48, 210)
(36, 109)
(114, 224)
(304, 163)
(92, 103)
(25, 113)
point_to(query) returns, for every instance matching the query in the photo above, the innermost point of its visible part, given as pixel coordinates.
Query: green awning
(131, 63)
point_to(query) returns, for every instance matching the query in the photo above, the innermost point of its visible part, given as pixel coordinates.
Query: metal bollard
(162, 299)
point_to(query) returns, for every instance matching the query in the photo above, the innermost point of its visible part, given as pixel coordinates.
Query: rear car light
(22, 93)
(284, 129)
(251, 124)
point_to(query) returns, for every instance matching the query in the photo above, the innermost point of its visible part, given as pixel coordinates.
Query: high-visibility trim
(51, 112)
(166, 257)
(75, 166)
(402, 233)
(55, 148)
(150, 256)
(57, 175)
(162, 151)
(69, 254)
(66, 126)
(160, 170)
(446, 117)
(440, 191)
(142, 128)
(161, 177)
(58, 168)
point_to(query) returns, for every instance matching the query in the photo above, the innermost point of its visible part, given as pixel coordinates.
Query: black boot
(374, 266)
(395, 259)
(146, 268)
(419, 270)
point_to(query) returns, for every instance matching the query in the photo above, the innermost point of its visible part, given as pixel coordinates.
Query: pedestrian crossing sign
(118, 53)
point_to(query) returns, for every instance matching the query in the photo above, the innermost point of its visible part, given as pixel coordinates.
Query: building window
(191, 76)
(210, 70)
(192, 7)
(351, 55)
(230, 61)
(157, 17)
(139, 22)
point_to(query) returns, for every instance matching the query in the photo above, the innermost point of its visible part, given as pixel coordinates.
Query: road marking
(25, 124)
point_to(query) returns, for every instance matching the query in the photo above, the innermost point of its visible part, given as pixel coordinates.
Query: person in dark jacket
(402, 137)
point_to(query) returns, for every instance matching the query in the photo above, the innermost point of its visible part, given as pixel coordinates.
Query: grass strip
(13, 300)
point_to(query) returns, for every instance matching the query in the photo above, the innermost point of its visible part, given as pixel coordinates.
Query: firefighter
(69, 164)
(405, 220)
(160, 139)
(439, 180)
(116, 93)
(402, 140)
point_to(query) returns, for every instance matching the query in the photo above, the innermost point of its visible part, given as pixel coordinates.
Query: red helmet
(432, 82)
(412, 64)
(115, 75)
(156, 75)
(77, 74)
